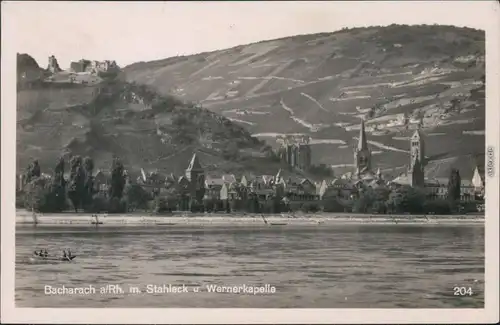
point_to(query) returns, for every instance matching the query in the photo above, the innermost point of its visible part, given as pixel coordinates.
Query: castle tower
(196, 177)
(53, 65)
(289, 152)
(304, 156)
(293, 161)
(296, 152)
(362, 155)
(304, 153)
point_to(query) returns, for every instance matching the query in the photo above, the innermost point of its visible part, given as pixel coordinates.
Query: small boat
(278, 224)
(53, 258)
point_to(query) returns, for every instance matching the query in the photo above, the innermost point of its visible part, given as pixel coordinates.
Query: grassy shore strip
(238, 219)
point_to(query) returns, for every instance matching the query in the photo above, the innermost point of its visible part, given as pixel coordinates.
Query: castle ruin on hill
(94, 67)
(53, 66)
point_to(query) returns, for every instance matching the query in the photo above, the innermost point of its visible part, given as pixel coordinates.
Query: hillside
(28, 71)
(115, 118)
(320, 85)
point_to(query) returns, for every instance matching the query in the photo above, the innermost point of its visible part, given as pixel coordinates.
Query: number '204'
(462, 291)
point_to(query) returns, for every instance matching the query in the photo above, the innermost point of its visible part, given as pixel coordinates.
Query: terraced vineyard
(322, 84)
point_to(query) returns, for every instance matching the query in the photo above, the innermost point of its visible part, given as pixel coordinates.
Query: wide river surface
(334, 266)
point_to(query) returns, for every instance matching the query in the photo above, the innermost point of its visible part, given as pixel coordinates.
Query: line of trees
(57, 194)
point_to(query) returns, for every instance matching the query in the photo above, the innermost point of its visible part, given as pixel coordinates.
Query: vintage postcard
(250, 162)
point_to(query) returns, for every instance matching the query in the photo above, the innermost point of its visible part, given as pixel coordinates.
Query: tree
(59, 169)
(454, 183)
(253, 205)
(311, 207)
(33, 171)
(332, 204)
(268, 151)
(99, 203)
(136, 197)
(231, 152)
(37, 192)
(406, 200)
(364, 203)
(437, 206)
(117, 179)
(88, 192)
(161, 204)
(209, 204)
(76, 188)
(57, 195)
(371, 112)
(380, 197)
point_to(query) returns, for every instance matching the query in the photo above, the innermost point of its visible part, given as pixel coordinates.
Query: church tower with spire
(417, 159)
(417, 148)
(362, 155)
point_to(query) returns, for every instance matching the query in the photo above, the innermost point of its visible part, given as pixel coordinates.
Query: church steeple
(362, 144)
(196, 177)
(417, 148)
(362, 155)
(193, 168)
(277, 178)
(417, 159)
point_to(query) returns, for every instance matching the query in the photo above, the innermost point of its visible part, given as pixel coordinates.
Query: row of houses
(232, 187)
(293, 188)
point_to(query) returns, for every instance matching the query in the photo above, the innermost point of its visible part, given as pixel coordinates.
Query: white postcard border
(488, 11)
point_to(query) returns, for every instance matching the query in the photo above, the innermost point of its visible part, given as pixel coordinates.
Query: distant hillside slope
(115, 118)
(395, 76)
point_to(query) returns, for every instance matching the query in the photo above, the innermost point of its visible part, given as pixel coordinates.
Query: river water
(337, 266)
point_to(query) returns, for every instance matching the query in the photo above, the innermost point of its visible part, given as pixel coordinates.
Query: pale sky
(129, 32)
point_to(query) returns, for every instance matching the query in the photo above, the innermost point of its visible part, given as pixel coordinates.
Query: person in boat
(45, 254)
(64, 254)
(69, 253)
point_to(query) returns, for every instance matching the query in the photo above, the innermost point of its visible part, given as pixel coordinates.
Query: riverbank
(193, 219)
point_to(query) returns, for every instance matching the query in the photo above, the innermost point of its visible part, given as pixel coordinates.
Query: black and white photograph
(250, 155)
